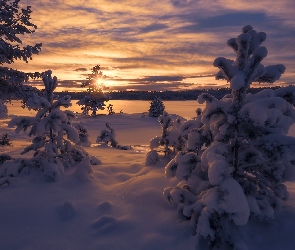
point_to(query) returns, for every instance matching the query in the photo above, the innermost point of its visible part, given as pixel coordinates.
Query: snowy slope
(120, 208)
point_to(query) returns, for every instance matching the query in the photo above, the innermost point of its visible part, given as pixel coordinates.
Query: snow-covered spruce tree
(83, 135)
(174, 137)
(96, 95)
(157, 107)
(170, 142)
(107, 136)
(241, 154)
(14, 21)
(52, 151)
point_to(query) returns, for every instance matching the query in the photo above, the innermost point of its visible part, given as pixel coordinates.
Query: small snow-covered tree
(96, 95)
(83, 134)
(170, 141)
(174, 137)
(108, 135)
(52, 150)
(14, 21)
(240, 153)
(157, 107)
(110, 109)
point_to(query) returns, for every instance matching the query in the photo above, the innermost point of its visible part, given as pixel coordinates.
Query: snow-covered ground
(120, 208)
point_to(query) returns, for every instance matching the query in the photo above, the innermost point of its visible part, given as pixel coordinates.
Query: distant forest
(164, 95)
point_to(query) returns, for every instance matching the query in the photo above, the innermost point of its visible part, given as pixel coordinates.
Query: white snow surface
(119, 206)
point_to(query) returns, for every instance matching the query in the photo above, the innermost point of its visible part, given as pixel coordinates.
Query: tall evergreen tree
(240, 155)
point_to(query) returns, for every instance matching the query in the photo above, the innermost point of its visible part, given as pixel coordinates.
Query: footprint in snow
(104, 207)
(130, 172)
(67, 211)
(107, 224)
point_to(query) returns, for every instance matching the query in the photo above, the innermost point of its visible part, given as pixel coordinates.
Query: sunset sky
(152, 44)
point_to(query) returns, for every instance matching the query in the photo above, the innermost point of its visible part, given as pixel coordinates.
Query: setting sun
(169, 39)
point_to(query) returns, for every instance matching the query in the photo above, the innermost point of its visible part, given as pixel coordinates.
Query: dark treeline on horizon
(164, 95)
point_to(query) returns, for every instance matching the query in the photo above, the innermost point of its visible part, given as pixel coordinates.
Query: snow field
(121, 207)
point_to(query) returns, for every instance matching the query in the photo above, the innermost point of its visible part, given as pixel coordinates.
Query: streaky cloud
(153, 27)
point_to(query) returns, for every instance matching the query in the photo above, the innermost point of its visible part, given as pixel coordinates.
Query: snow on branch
(247, 67)
(271, 73)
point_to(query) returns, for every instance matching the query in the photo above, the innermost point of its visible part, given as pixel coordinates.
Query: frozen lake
(185, 109)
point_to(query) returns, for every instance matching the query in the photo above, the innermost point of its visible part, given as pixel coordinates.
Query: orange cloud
(134, 39)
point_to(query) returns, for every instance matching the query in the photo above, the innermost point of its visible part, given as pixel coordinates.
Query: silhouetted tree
(96, 95)
(14, 21)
